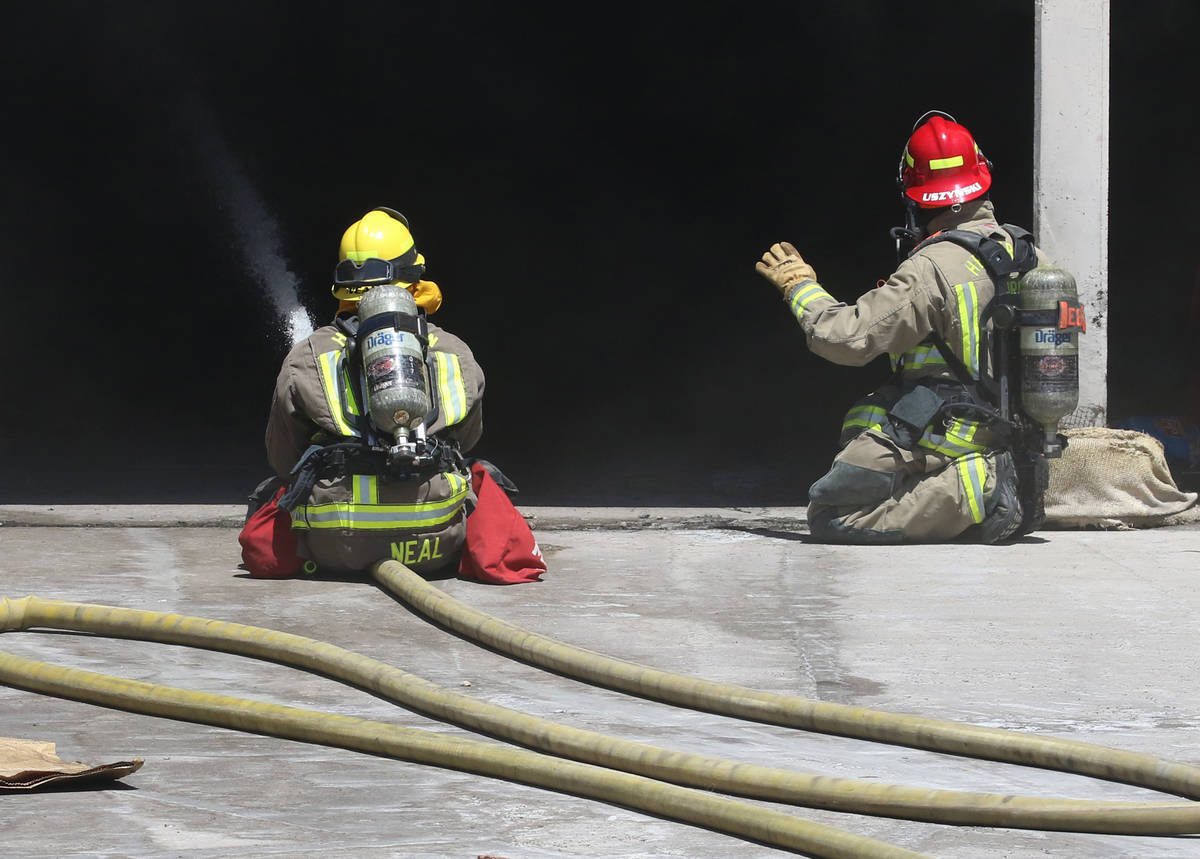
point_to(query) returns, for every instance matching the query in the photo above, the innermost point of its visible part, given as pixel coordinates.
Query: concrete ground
(1085, 635)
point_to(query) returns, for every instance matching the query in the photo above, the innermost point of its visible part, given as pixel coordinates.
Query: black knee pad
(851, 486)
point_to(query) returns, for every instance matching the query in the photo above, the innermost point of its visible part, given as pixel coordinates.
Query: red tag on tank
(1071, 316)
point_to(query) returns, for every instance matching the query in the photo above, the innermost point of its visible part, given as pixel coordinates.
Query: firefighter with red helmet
(920, 460)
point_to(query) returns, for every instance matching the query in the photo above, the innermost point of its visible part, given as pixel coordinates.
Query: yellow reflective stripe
(968, 320)
(959, 439)
(330, 365)
(805, 295)
(870, 417)
(963, 432)
(942, 445)
(928, 355)
(919, 356)
(943, 163)
(451, 390)
(908, 159)
(382, 517)
(349, 403)
(365, 489)
(972, 471)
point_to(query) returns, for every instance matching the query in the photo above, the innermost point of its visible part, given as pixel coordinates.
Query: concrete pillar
(1070, 173)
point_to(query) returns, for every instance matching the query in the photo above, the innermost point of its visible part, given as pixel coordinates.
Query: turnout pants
(879, 492)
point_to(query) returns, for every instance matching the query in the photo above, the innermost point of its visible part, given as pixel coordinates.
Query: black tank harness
(366, 455)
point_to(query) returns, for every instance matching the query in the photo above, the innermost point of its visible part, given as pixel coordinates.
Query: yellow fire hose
(748, 780)
(758, 782)
(630, 791)
(427, 747)
(938, 735)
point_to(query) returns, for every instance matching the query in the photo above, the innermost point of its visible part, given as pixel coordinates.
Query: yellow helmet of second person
(379, 248)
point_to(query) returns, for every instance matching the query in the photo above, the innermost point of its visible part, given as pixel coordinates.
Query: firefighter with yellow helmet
(924, 458)
(369, 476)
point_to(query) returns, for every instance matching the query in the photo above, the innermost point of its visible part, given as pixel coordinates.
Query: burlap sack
(1109, 478)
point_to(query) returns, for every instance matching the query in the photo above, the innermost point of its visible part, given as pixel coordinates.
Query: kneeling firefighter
(981, 332)
(372, 415)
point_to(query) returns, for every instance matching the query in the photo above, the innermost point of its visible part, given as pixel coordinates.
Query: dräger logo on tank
(1050, 335)
(379, 338)
(934, 196)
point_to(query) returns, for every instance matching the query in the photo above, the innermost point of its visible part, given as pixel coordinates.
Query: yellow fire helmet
(378, 248)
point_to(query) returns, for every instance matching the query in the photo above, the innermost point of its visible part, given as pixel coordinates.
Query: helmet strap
(910, 235)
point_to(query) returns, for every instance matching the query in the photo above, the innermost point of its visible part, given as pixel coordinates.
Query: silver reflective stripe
(806, 294)
(365, 489)
(380, 517)
(452, 391)
(958, 440)
(919, 356)
(334, 383)
(968, 319)
(972, 472)
(870, 417)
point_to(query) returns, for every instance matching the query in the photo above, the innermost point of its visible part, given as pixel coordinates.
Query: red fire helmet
(941, 164)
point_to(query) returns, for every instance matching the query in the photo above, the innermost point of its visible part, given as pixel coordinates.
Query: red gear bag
(500, 547)
(268, 543)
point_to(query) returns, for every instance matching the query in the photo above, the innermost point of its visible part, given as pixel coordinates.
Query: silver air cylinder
(1049, 354)
(397, 384)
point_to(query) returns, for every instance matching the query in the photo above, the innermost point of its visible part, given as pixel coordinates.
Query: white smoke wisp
(256, 231)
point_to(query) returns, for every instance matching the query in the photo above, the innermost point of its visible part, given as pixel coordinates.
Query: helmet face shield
(370, 272)
(373, 271)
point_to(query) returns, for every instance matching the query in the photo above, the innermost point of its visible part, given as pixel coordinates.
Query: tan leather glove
(784, 267)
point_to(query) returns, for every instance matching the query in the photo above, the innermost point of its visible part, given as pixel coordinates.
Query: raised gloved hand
(784, 267)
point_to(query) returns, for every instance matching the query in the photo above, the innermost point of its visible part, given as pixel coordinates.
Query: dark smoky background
(591, 187)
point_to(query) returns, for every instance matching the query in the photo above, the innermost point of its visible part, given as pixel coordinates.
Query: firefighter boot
(1004, 512)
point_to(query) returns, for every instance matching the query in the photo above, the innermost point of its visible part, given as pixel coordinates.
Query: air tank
(1049, 353)
(397, 385)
